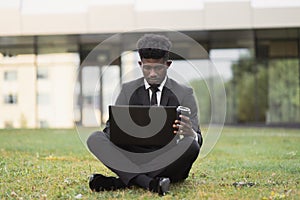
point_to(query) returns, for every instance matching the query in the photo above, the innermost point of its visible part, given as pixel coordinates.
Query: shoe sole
(165, 186)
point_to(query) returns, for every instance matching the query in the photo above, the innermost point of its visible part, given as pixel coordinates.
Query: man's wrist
(195, 136)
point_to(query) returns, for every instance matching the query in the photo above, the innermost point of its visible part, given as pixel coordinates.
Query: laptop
(142, 125)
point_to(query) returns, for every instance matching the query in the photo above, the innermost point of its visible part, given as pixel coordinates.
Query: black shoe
(98, 183)
(160, 185)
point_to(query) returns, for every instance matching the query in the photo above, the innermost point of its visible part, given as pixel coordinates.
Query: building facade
(46, 79)
(37, 91)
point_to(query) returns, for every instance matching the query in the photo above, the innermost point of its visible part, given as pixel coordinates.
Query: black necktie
(154, 89)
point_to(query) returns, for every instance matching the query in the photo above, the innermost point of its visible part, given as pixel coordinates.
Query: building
(44, 47)
(37, 96)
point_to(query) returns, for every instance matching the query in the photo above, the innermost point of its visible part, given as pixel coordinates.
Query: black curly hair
(154, 46)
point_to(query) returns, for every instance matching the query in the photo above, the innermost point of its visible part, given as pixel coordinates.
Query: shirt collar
(147, 86)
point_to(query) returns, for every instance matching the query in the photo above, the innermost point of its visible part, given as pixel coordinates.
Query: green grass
(54, 164)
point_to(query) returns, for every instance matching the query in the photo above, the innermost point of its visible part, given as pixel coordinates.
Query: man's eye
(157, 68)
(147, 67)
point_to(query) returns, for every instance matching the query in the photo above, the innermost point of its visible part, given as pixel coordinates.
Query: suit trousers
(99, 144)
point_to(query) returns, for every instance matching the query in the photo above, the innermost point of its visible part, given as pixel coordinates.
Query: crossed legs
(100, 145)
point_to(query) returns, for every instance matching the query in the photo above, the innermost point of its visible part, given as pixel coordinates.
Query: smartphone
(181, 110)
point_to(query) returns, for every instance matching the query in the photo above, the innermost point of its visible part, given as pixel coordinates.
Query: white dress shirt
(158, 93)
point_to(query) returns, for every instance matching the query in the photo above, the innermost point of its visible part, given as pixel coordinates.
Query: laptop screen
(141, 125)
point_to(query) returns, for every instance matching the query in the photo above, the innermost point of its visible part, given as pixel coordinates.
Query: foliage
(268, 92)
(203, 99)
(211, 99)
(253, 96)
(284, 91)
(251, 85)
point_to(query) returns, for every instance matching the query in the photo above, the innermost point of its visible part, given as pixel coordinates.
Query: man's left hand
(184, 127)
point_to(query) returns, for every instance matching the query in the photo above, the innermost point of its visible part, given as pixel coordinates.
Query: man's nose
(153, 72)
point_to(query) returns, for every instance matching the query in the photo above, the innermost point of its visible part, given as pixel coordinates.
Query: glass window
(43, 99)
(10, 99)
(43, 124)
(42, 73)
(284, 91)
(10, 75)
(279, 49)
(91, 99)
(8, 124)
(236, 68)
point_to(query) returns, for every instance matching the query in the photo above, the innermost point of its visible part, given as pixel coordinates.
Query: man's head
(154, 53)
(154, 46)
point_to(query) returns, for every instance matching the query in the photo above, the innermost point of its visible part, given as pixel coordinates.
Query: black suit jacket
(173, 94)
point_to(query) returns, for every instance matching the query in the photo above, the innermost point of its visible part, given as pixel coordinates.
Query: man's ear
(140, 63)
(169, 62)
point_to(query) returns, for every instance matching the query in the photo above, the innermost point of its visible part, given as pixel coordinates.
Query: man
(154, 88)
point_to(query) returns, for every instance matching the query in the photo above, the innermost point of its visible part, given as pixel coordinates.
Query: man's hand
(184, 127)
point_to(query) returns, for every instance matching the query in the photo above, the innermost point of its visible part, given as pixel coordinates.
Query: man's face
(154, 70)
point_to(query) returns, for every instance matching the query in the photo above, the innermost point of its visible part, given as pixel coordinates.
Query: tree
(251, 90)
(284, 91)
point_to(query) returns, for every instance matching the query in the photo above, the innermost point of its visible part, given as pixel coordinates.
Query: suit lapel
(140, 97)
(168, 98)
(164, 97)
(145, 96)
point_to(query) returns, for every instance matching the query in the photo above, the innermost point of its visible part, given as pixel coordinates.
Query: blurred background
(47, 82)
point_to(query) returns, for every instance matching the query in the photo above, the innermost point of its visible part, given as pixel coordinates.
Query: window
(8, 124)
(43, 124)
(42, 73)
(43, 99)
(10, 75)
(283, 91)
(10, 99)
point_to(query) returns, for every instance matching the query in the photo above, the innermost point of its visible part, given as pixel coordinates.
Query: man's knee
(193, 150)
(95, 139)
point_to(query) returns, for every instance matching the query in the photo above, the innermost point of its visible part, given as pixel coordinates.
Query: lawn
(246, 163)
